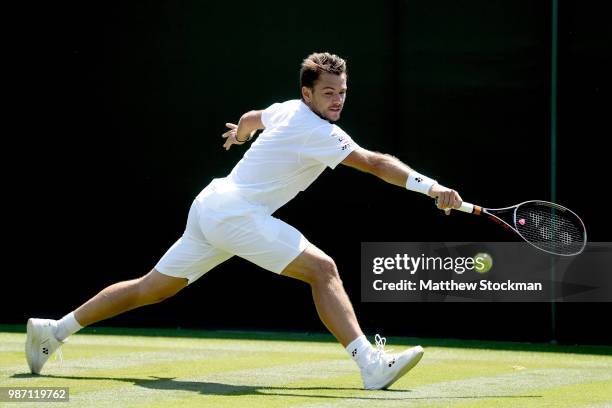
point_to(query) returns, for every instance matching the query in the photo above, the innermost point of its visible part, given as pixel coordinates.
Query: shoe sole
(415, 360)
(30, 342)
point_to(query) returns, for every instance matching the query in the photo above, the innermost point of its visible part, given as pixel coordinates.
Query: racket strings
(550, 229)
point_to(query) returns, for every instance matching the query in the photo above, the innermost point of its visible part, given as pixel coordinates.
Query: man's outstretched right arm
(393, 171)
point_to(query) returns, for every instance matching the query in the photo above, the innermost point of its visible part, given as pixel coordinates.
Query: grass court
(113, 367)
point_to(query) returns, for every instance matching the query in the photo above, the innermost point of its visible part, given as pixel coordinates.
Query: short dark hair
(318, 62)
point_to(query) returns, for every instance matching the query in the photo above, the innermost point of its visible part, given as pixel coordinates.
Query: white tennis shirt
(293, 150)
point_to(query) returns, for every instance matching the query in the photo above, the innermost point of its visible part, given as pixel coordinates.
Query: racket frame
(478, 210)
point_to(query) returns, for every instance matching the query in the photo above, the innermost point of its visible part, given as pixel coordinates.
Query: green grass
(162, 367)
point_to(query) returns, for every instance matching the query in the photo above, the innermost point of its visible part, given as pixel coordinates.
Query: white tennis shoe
(41, 343)
(384, 369)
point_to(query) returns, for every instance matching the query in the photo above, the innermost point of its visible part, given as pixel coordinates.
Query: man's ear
(306, 93)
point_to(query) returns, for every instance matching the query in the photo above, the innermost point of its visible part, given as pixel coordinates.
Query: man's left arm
(394, 171)
(244, 131)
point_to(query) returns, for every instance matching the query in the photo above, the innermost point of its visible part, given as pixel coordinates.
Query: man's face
(327, 96)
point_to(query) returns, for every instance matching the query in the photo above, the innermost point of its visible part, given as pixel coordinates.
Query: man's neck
(316, 113)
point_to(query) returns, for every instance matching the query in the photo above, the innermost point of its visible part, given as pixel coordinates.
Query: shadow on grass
(327, 338)
(212, 388)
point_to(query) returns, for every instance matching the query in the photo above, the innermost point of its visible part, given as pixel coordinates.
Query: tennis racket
(547, 226)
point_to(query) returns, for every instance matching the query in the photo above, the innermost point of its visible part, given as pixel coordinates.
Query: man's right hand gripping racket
(547, 226)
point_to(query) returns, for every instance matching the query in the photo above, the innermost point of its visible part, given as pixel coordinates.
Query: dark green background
(126, 102)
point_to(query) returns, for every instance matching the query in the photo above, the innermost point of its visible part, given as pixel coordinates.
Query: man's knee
(325, 271)
(314, 267)
(155, 287)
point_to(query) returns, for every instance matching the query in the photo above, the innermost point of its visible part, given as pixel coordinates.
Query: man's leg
(187, 260)
(127, 295)
(335, 310)
(378, 369)
(44, 336)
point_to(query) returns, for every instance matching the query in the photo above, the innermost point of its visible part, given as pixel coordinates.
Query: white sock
(360, 350)
(66, 326)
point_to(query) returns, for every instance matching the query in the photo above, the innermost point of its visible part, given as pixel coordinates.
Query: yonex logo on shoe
(391, 362)
(45, 350)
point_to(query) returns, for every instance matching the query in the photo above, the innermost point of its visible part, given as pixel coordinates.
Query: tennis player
(233, 216)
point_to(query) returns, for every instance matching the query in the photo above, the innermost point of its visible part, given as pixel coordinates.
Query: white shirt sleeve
(269, 115)
(329, 145)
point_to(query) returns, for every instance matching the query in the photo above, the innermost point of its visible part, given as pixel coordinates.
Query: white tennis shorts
(220, 225)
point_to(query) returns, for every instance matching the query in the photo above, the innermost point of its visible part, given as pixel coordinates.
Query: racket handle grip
(470, 208)
(466, 207)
